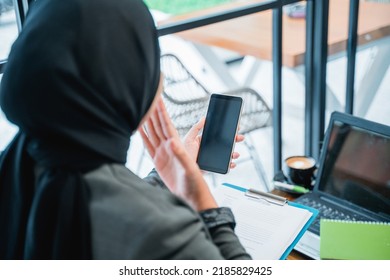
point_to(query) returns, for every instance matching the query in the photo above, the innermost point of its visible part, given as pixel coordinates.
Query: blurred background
(214, 63)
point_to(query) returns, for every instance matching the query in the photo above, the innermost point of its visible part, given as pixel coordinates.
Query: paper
(349, 240)
(265, 229)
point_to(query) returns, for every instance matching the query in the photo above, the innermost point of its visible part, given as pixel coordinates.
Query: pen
(297, 189)
(267, 196)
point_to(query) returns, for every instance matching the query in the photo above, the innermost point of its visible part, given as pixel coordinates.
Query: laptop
(353, 178)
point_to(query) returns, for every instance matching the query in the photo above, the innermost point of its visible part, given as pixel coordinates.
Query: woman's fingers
(235, 155)
(240, 138)
(151, 132)
(167, 127)
(181, 154)
(148, 144)
(194, 131)
(158, 129)
(157, 125)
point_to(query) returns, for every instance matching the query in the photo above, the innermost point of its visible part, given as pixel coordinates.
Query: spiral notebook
(349, 240)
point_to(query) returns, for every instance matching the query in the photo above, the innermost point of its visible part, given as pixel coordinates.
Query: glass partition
(8, 34)
(8, 27)
(7, 130)
(176, 7)
(185, 9)
(369, 81)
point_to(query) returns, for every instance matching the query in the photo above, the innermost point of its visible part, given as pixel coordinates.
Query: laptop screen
(356, 166)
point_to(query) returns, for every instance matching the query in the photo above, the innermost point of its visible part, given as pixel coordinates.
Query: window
(8, 28)
(8, 34)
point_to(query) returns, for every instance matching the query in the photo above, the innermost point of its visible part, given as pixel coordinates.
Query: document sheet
(265, 229)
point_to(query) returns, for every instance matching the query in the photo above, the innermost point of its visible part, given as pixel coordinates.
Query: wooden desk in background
(252, 36)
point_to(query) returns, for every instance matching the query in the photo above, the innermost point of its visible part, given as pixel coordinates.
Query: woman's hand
(192, 139)
(174, 164)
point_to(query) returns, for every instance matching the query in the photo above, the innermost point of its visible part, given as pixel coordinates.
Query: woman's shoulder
(118, 184)
(113, 175)
(116, 191)
(124, 209)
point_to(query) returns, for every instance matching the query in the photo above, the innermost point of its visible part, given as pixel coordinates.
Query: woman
(81, 78)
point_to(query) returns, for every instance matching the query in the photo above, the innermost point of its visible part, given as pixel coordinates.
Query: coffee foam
(300, 162)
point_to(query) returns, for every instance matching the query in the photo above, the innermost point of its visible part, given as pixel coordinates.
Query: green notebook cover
(347, 240)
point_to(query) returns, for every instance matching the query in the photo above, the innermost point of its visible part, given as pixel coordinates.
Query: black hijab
(79, 79)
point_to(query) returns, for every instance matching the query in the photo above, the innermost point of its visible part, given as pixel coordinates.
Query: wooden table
(252, 36)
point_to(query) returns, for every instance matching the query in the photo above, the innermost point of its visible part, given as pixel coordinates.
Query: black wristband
(218, 216)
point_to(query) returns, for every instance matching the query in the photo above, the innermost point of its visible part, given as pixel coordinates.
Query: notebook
(353, 178)
(267, 225)
(349, 240)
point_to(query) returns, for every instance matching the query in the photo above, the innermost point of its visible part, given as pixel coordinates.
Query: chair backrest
(187, 99)
(178, 78)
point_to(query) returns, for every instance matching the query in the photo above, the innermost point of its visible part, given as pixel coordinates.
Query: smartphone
(220, 129)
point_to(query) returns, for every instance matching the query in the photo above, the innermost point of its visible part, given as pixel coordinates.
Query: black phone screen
(219, 133)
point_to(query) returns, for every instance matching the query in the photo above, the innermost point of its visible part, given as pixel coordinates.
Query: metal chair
(186, 100)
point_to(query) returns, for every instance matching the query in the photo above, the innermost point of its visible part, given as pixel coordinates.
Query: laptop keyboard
(327, 212)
